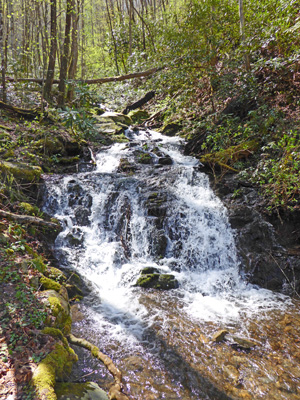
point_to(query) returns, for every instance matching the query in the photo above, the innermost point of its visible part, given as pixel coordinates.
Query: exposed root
(115, 392)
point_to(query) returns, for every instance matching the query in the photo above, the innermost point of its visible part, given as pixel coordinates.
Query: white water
(113, 242)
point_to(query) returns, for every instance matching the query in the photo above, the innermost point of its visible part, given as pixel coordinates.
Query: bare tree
(243, 36)
(65, 55)
(53, 49)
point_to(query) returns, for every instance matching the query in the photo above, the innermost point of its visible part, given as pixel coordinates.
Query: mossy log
(29, 220)
(115, 392)
(22, 111)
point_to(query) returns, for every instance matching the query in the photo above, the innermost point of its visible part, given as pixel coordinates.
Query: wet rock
(82, 216)
(242, 343)
(149, 270)
(77, 315)
(157, 281)
(144, 158)
(79, 391)
(74, 291)
(231, 372)
(219, 336)
(267, 246)
(126, 166)
(134, 363)
(165, 160)
(170, 129)
(159, 243)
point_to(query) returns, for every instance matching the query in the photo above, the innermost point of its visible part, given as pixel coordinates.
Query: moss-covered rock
(55, 274)
(49, 145)
(117, 118)
(171, 128)
(28, 209)
(57, 364)
(126, 166)
(144, 158)
(79, 391)
(138, 115)
(49, 284)
(157, 281)
(23, 173)
(149, 270)
(60, 310)
(74, 291)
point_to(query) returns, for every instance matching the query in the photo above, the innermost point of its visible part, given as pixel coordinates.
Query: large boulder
(268, 246)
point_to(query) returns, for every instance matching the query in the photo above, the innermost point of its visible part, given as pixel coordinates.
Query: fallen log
(27, 219)
(140, 102)
(22, 111)
(95, 81)
(115, 392)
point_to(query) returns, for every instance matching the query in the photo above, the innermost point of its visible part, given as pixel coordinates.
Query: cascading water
(146, 205)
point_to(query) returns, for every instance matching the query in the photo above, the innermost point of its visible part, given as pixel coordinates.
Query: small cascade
(147, 205)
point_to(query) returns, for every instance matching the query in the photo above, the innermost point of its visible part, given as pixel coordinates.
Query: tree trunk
(74, 50)
(52, 55)
(2, 51)
(242, 30)
(65, 55)
(113, 37)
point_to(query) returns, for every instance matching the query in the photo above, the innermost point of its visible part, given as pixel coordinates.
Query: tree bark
(243, 36)
(65, 55)
(52, 55)
(74, 50)
(2, 52)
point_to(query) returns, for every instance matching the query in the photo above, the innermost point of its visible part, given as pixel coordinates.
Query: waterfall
(160, 213)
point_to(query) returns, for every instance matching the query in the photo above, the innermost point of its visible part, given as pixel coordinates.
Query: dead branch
(115, 392)
(96, 81)
(27, 219)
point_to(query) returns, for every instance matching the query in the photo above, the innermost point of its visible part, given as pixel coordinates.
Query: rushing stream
(146, 205)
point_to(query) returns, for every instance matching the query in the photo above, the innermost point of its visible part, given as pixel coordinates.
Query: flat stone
(219, 336)
(80, 391)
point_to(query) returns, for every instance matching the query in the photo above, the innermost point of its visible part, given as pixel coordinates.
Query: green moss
(61, 311)
(49, 145)
(149, 270)
(157, 281)
(94, 351)
(138, 115)
(49, 284)
(147, 280)
(28, 209)
(38, 261)
(56, 274)
(145, 159)
(55, 365)
(226, 158)
(21, 172)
